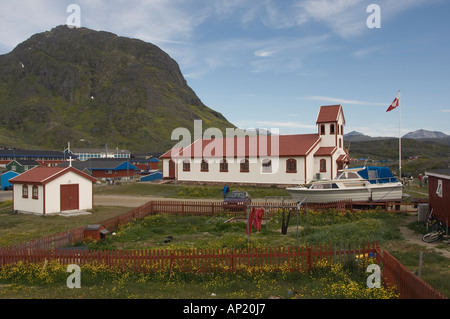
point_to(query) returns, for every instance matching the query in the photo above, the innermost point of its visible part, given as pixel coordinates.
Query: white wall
(255, 174)
(53, 192)
(29, 205)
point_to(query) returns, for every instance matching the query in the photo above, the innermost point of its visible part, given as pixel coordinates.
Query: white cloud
(343, 101)
(364, 52)
(20, 19)
(275, 55)
(264, 53)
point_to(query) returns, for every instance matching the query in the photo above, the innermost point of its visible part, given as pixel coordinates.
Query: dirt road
(132, 201)
(414, 238)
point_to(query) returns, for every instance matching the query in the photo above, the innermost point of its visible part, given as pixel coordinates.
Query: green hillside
(66, 84)
(417, 156)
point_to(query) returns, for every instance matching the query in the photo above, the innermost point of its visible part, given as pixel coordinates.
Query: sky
(272, 63)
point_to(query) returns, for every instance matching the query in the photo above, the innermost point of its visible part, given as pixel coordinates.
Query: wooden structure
(439, 194)
(95, 232)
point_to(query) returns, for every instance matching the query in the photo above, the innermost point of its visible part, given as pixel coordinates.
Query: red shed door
(69, 197)
(171, 169)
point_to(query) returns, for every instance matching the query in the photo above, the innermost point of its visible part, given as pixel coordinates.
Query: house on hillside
(103, 168)
(50, 190)
(264, 159)
(21, 165)
(439, 193)
(44, 158)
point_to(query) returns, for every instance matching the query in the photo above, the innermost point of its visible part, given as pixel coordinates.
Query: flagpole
(399, 135)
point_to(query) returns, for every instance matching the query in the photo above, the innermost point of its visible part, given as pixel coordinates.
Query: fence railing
(408, 285)
(193, 260)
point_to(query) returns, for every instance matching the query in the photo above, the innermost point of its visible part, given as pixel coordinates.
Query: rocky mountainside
(424, 134)
(70, 84)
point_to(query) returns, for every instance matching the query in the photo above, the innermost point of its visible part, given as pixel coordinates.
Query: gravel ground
(133, 201)
(414, 238)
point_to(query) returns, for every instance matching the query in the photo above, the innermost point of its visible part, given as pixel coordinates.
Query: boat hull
(358, 194)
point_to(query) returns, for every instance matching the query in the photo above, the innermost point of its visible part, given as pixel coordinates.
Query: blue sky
(272, 64)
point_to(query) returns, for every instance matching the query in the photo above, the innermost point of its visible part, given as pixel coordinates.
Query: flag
(395, 103)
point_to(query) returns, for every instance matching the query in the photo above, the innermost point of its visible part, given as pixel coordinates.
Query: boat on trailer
(361, 184)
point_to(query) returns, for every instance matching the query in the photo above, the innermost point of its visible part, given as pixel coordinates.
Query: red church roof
(42, 175)
(329, 113)
(324, 151)
(248, 146)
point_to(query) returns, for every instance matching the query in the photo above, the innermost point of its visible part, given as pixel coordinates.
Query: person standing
(226, 189)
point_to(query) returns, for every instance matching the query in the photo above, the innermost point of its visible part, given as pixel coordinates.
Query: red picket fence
(409, 286)
(191, 260)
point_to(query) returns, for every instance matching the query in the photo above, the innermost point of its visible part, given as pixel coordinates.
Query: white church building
(264, 159)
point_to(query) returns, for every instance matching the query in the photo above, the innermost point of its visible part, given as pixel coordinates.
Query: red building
(439, 193)
(145, 164)
(44, 158)
(95, 232)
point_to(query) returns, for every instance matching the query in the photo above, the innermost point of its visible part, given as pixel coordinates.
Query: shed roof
(7, 173)
(442, 173)
(43, 175)
(93, 227)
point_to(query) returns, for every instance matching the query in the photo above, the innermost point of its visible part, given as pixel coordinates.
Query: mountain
(354, 136)
(69, 84)
(423, 134)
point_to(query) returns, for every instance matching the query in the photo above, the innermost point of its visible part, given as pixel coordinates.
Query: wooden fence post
(172, 260)
(309, 258)
(232, 260)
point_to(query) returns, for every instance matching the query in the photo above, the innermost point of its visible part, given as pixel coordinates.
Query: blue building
(5, 177)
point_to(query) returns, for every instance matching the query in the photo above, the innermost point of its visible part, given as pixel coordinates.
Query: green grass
(318, 228)
(18, 228)
(185, 191)
(329, 281)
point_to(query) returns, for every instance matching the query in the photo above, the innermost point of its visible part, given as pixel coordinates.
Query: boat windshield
(347, 175)
(324, 186)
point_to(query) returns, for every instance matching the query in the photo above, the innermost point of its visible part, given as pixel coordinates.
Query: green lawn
(197, 191)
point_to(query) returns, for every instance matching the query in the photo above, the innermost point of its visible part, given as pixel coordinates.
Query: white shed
(50, 190)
